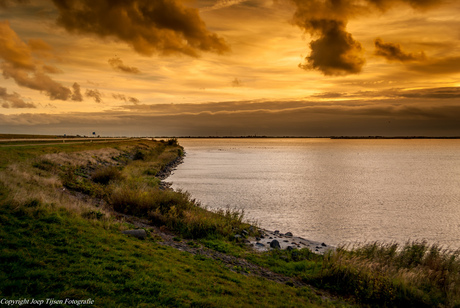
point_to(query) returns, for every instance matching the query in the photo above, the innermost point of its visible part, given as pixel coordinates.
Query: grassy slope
(56, 245)
(48, 250)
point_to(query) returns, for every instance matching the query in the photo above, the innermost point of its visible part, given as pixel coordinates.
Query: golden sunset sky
(230, 67)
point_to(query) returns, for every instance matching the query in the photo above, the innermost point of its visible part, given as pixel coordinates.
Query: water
(336, 191)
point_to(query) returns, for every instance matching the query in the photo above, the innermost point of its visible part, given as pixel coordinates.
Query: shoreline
(286, 241)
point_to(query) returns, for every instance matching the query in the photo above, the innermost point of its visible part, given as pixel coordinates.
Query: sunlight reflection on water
(335, 191)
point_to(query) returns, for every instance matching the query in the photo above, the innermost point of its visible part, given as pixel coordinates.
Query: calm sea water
(336, 191)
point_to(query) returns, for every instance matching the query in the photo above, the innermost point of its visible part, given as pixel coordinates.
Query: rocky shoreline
(267, 240)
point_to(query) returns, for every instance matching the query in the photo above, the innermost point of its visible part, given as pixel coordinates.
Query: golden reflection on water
(335, 191)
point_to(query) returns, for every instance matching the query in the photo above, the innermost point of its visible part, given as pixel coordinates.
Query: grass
(48, 252)
(56, 244)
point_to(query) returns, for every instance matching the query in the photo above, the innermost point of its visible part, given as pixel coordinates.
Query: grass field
(63, 208)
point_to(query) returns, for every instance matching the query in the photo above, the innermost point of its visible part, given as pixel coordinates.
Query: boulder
(138, 233)
(275, 244)
(288, 234)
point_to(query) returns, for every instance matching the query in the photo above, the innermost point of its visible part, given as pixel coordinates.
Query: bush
(105, 175)
(45, 165)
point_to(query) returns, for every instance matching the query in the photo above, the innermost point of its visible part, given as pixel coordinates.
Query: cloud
(334, 51)
(446, 65)
(393, 52)
(13, 50)
(76, 95)
(7, 3)
(95, 94)
(236, 82)
(37, 81)
(20, 65)
(117, 64)
(221, 4)
(163, 26)
(123, 97)
(13, 100)
(386, 117)
(433, 93)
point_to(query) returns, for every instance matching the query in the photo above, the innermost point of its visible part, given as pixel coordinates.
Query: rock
(237, 236)
(138, 233)
(286, 241)
(290, 248)
(270, 238)
(262, 236)
(257, 238)
(288, 234)
(275, 244)
(324, 245)
(260, 245)
(277, 231)
(244, 232)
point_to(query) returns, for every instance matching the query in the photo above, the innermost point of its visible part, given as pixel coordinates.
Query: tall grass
(416, 274)
(175, 210)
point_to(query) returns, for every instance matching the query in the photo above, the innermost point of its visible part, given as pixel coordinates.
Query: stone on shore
(275, 244)
(138, 233)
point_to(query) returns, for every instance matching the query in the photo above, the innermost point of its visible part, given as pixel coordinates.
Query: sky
(230, 67)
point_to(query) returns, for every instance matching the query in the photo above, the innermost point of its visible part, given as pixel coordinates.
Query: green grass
(48, 252)
(49, 249)
(56, 245)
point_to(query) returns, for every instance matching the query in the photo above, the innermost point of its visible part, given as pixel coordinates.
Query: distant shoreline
(311, 137)
(26, 137)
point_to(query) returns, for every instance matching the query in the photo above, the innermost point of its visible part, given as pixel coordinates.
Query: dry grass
(415, 274)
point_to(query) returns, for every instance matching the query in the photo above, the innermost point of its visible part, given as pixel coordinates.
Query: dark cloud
(20, 65)
(447, 65)
(164, 26)
(388, 117)
(13, 100)
(434, 93)
(393, 52)
(37, 81)
(95, 94)
(124, 98)
(7, 3)
(420, 4)
(133, 100)
(117, 64)
(334, 51)
(76, 95)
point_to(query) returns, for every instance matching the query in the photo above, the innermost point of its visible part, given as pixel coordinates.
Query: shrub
(105, 175)
(45, 165)
(172, 141)
(139, 155)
